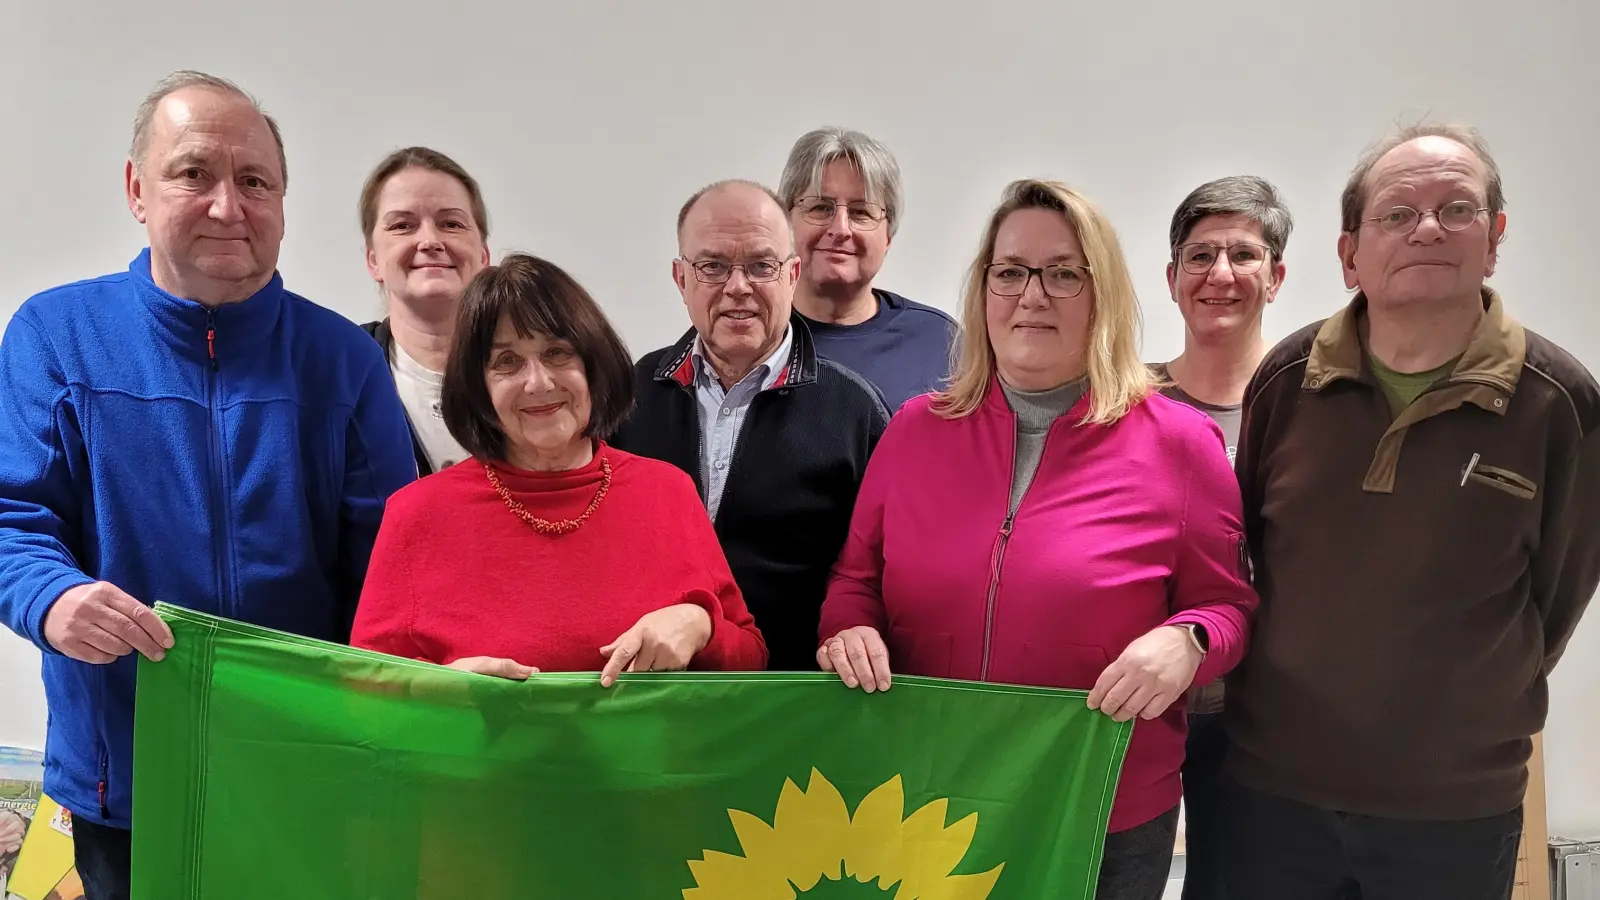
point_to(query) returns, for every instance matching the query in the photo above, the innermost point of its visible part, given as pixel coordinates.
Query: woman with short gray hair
(842, 189)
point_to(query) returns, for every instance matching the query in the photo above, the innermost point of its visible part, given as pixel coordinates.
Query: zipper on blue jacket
(102, 745)
(220, 540)
(105, 780)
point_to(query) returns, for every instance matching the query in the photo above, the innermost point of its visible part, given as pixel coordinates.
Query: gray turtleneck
(1036, 411)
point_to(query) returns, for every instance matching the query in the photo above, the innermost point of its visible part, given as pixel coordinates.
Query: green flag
(269, 766)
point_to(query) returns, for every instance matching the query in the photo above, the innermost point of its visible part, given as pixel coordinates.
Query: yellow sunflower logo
(813, 836)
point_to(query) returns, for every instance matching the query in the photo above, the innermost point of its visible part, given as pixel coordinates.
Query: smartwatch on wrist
(1198, 637)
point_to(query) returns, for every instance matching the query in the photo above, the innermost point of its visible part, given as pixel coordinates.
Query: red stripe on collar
(791, 369)
(684, 373)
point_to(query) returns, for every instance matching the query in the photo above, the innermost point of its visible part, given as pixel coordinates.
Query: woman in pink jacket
(1051, 519)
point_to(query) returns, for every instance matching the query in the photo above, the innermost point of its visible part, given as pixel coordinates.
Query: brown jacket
(1419, 575)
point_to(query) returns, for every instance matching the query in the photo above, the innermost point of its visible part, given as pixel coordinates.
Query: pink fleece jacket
(1124, 528)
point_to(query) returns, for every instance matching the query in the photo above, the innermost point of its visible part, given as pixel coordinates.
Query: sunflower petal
(813, 827)
(965, 887)
(875, 835)
(722, 876)
(931, 850)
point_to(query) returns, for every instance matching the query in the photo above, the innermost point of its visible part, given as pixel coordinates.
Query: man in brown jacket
(1421, 482)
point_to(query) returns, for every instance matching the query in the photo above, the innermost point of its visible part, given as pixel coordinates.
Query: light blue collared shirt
(722, 412)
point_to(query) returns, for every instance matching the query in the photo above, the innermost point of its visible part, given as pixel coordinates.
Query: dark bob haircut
(539, 297)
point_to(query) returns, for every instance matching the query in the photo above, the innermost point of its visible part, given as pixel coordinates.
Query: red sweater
(455, 573)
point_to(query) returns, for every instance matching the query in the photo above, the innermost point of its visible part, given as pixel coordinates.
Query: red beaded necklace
(545, 526)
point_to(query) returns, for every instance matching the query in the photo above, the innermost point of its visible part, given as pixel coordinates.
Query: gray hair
(1241, 195)
(880, 173)
(189, 78)
(689, 204)
(1354, 199)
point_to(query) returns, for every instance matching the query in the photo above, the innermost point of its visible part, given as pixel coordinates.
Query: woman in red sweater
(547, 549)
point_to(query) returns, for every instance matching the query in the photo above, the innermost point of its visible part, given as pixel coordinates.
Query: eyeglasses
(716, 271)
(1457, 215)
(823, 210)
(1061, 282)
(1200, 258)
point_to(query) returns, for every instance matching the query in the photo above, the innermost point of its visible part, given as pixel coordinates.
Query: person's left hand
(1153, 672)
(660, 641)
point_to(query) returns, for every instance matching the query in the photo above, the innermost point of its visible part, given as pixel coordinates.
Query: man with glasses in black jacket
(776, 438)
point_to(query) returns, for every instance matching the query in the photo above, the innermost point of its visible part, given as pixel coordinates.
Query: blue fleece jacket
(234, 460)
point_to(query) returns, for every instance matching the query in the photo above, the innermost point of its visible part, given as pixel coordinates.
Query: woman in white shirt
(426, 230)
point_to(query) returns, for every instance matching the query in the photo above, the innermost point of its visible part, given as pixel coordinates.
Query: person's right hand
(497, 666)
(98, 623)
(859, 656)
(13, 828)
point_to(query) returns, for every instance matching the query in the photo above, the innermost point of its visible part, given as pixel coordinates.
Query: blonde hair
(1118, 380)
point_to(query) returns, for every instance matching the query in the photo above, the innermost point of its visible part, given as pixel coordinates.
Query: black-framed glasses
(823, 210)
(1457, 215)
(718, 271)
(1062, 282)
(1199, 258)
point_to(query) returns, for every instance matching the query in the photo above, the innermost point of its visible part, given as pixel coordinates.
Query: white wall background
(589, 122)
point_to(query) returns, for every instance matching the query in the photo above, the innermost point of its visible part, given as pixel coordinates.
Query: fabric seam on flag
(201, 772)
(1108, 789)
(267, 634)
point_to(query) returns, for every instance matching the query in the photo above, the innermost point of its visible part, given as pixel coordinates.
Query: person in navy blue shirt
(185, 430)
(842, 189)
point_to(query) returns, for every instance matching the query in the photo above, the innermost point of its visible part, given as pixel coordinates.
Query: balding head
(1357, 189)
(734, 196)
(185, 80)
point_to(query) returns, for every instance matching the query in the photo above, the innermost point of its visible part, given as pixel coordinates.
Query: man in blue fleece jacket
(186, 431)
